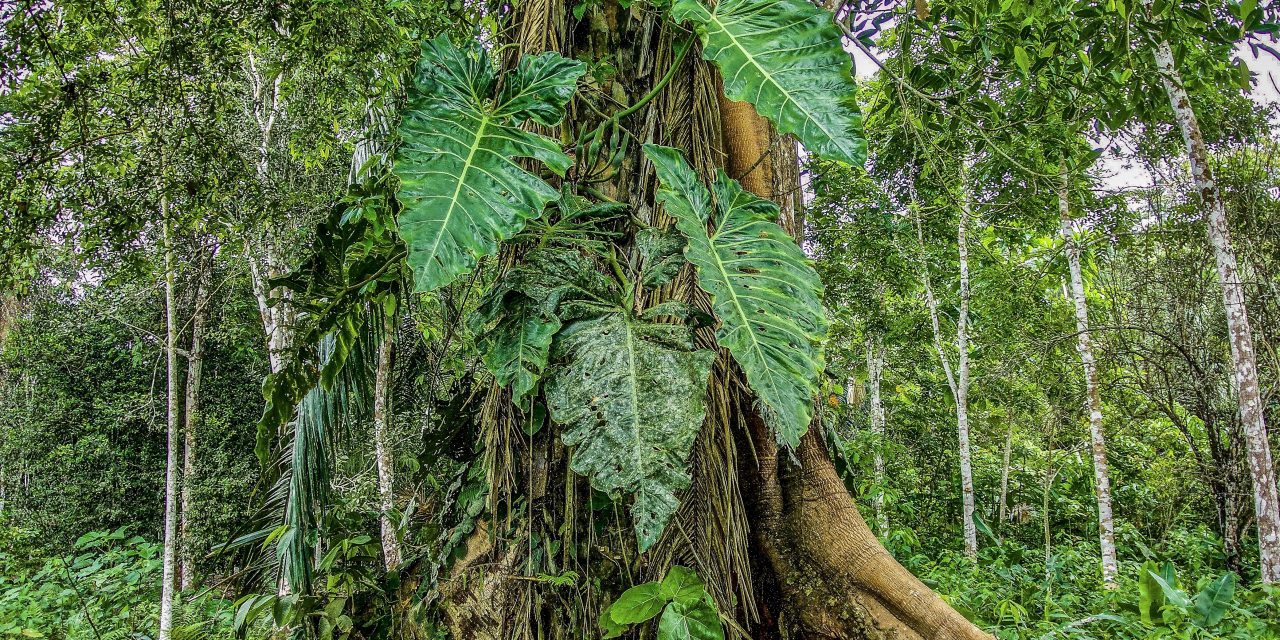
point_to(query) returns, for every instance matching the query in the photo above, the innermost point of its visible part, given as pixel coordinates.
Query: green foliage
(764, 291)
(462, 192)
(688, 612)
(106, 586)
(632, 395)
(1009, 592)
(785, 58)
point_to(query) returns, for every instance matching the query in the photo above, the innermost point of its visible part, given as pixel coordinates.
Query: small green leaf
(682, 585)
(697, 620)
(1024, 61)
(637, 604)
(1174, 595)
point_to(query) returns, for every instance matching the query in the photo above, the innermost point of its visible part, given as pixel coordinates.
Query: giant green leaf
(462, 190)
(763, 290)
(785, 58)
(631, 395)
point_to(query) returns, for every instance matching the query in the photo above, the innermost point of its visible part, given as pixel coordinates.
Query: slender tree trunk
(875, 366)
(1084, 345)
(191, 422)
(1003, 509)
(386, 462)
(1046, 484)
(266, 106)
(962, 379)
(1265, 496)
(957, 378)
(171, 458)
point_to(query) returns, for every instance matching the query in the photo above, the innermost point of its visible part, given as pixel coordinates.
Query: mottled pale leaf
(516, 348)
(631, 395)
(785, 58)
(764, 291)
(519, 316)
(462, 191)
(660, 256)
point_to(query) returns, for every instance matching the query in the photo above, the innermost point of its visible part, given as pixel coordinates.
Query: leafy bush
(1011, 592)
(107, 588)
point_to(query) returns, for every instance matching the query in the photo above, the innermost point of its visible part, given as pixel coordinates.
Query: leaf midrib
(462, 179)
(635, 397)
(733, 294)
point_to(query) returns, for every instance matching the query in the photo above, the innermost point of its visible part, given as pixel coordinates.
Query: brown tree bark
(836, 578)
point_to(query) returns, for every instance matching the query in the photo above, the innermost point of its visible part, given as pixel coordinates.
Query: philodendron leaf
(462, 192)
(519, 316)
(785, 58)
(515, 349)
(631, 395)
(764, 291)
(660, 256)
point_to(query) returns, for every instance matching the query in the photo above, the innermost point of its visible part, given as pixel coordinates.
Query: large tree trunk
(1265, 496)
(776, 535)
(382, 447)
(804, 523)
(1084, 345)
(191, 409)
(171, 457)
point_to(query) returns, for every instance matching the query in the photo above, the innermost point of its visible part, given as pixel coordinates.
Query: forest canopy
(650, 319)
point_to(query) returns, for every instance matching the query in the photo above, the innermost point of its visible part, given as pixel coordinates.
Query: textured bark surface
(1093, 397)
(382, 448)
(833, 577)
(1266, 499)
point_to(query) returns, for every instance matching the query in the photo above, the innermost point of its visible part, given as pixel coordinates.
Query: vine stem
(648, 97)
